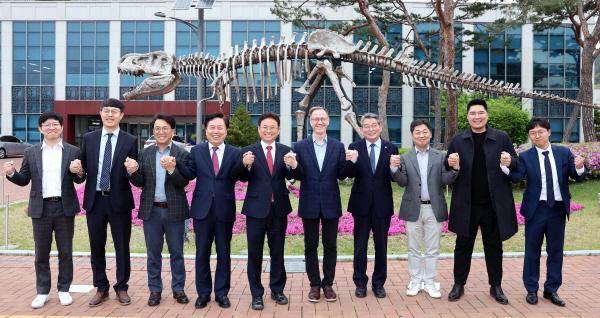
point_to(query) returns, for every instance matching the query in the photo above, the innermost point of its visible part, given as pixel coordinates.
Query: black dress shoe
(181, 297)
(379, 292)
(279, 298)
(154, 299)
(553, 296)
(202, 301)
(456, 292)
(223, 301)
(257, 303)
(498, 294)
(531, 298)
(360, 292)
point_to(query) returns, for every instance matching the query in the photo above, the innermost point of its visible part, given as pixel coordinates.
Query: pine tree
(242, 131)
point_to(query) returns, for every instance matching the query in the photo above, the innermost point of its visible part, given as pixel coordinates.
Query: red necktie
(270, 159)
(215, 160)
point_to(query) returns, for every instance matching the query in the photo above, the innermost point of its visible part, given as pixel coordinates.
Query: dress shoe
(456, 292)
(360, 292)
(39, 301)
(223, 301)
(98, 299)
(531, 298)
(432, 290)
(413, 289)
(497, 293)
(65, 298)
(379, 292)
(257, 303)
(181, 297)
(279, 298)
(553, 297)
(314, 295)
(154, 299)
(202, 301)
(329, 294)
(123, 298)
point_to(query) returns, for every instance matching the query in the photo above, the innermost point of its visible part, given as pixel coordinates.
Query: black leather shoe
(257, 303)
(202, 301)
(279, 298)
(181, 297)
(498, 294)
(456, 292)
(379, 292)
(154, 299)
(360, 292)
(531, 298)
(223, 301)
(553, 297)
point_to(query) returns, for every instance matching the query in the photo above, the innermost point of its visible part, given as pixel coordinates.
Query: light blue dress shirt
(320, 150)
(113, 143)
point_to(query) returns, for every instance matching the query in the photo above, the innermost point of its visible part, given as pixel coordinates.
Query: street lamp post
(200, 5)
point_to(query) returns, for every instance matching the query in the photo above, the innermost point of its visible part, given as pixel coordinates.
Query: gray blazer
(408, 176)
(145, 178)
(31, 170)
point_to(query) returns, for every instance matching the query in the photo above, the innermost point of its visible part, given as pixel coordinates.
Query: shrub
(242, 131)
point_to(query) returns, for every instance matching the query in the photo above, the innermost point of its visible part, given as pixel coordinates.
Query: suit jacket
(409, 176)
(31, 170)
(211, 190)
(145, 178)
(529, 167)
(501, 194)
(262, 186)
(120, 189)
(371, 193)
(319, 190)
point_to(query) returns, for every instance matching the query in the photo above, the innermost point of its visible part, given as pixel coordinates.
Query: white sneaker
(413, 289)
(433, 290)
(65, 298)
(39, 301)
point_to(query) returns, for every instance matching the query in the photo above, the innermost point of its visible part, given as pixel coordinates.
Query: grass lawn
(581, 232)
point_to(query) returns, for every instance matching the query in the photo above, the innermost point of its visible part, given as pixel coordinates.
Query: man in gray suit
(423, 172)
(52, 204)
(163, 206)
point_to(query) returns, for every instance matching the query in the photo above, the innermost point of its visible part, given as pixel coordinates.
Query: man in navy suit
(267, 205)
(546, 204)
(323, 161)
(108, 198)
(216, 167)
(371, 202)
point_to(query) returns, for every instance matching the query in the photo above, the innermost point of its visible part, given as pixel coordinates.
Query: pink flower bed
(294, 227)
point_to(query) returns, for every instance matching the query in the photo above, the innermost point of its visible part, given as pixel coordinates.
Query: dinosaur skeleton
(320, 45)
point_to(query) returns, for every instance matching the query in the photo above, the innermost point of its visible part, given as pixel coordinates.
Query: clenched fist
(351, 155)
(248, 159)
(579, 162)
(131, 165)
(395, 161)
(454, 161)
(75, 167)
(505, 159)
(9, 168)
(168, 163)
(290, 160)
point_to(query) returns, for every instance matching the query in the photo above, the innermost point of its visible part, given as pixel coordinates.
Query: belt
(103, 193)
(426, 202)
(162, 205)
(53, 199)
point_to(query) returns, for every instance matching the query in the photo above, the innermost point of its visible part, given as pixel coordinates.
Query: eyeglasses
(369, 127)
(111, 111)
(536, 132)
(162, 129)
(51, 125)
(319, 119)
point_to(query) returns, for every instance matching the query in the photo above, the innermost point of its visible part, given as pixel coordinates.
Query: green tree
(504, 113)
(242, 131)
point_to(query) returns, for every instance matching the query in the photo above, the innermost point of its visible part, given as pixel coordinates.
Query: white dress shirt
(113, 143)
(220, 152)
(51, 165)
(541, 157)
(377, 149)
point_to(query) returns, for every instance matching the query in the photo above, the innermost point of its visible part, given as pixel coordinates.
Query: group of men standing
(481, 164)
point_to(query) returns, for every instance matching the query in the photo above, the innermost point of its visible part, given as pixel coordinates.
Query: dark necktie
(270, 160)
(106, 164)
(549, 180)
(215, 160)
(372, 158)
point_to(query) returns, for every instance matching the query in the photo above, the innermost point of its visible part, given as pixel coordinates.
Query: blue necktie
(106, 163)
(549, 180)
(372, 158)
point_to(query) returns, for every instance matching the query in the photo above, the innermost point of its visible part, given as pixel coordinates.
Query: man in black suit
(267, 205)
(371, 202)
(481, 197)
(216, 167)
(52, 204)
(108, 198)
(163, 206)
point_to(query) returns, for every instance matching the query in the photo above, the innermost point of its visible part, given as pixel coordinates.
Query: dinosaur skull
(158, 64)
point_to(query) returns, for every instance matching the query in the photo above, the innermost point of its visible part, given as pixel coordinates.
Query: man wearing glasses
(108, 198)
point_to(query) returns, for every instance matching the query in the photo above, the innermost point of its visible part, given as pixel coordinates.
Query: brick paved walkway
(581, 290)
